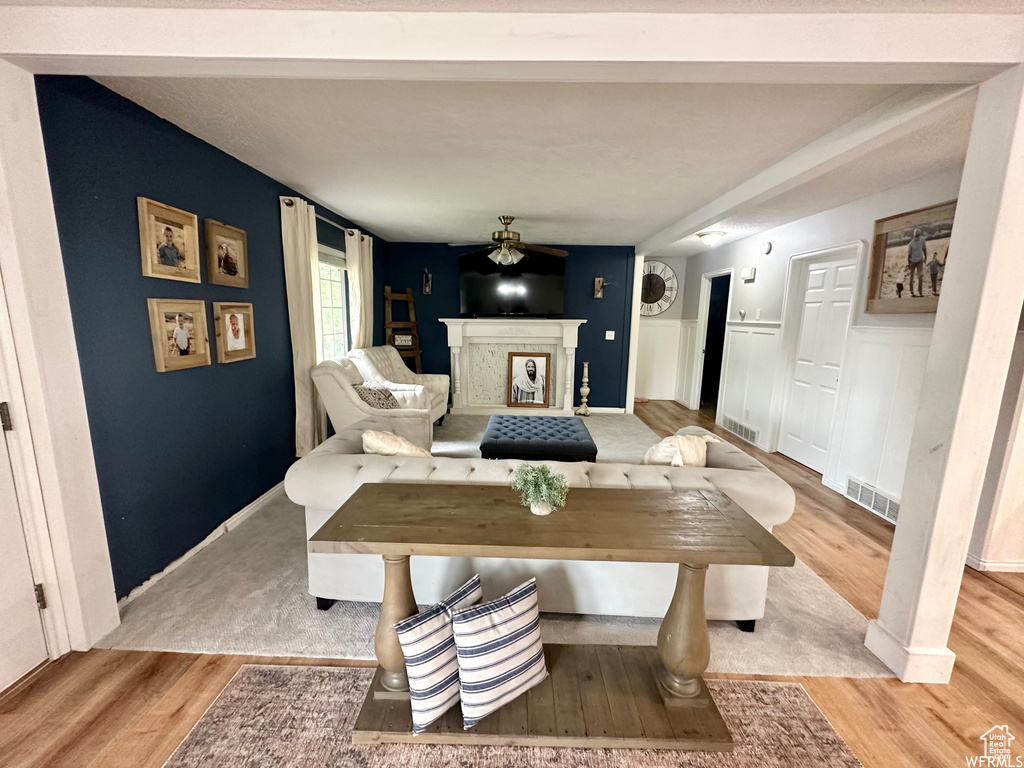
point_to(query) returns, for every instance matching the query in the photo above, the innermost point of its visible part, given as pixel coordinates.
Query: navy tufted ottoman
(538, 438)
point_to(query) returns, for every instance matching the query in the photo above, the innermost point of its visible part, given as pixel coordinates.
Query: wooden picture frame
(227, 316)
(895, 286)
(164, 323)
(166, 232)
(524, 392)
(227, 255)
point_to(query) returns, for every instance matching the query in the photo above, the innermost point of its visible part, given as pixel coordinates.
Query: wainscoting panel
(657, 361)
(749, 360)
(878, 400)
(688, 355)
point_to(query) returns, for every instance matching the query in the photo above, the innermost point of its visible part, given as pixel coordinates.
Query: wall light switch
(609, 335)
(757, 314)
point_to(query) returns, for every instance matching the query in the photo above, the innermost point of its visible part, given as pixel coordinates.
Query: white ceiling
(439, 161)
(934, 148)
(577, 6)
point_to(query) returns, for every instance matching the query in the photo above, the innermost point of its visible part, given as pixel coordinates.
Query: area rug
(301, 717)
(619, 438)
(246, 593)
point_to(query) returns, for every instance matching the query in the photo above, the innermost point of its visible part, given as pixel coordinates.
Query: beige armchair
(385, 366)
(336, 380)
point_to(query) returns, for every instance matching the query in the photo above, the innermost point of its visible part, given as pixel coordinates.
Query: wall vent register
(741, 430)
(872, 499)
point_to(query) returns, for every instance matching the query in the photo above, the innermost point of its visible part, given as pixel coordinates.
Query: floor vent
(741, 430)
(873, 499)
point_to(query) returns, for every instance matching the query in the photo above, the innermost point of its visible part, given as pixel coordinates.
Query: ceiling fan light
(711, 238)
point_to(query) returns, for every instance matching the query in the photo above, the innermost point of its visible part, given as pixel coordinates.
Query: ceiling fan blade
(478, 251)
(475, 245)
(543, 249)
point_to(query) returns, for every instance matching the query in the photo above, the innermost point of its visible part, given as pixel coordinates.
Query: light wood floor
(130, 709)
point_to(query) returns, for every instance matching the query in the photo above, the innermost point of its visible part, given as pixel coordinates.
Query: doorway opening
(714, 344)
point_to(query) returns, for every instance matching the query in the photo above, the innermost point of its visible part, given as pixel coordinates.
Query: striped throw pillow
(430, 657)
(500, 652)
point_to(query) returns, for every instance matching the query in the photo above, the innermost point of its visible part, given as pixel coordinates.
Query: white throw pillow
(390, 444)
(681, 451)
(500, 651)
(430, 656)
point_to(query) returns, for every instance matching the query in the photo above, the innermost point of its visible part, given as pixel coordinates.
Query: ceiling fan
(506, 248)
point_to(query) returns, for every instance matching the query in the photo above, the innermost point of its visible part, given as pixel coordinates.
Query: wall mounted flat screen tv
(535, 287)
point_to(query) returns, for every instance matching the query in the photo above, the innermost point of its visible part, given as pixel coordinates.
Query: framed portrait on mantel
(227, 255)
(169, 241)
(178, 327)
(528, 379)
(235, 331)
(908, 260)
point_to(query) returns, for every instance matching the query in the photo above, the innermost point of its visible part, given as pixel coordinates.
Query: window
(332, 325)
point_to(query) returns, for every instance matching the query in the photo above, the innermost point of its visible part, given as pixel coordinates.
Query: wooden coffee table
(596, 696)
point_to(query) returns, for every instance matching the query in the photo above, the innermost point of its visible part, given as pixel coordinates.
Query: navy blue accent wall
(608, 359)
(177, 453)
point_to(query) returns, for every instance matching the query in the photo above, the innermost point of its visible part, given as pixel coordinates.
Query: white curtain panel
(359, 260)
(298, 235)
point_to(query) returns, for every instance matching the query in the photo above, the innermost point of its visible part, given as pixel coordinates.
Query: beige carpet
(246, 593)
(301, 717)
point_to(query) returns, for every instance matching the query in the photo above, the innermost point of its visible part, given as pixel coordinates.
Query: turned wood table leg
(398, 604)
(683, 645)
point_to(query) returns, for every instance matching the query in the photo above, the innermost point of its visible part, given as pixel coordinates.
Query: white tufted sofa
(326, 477)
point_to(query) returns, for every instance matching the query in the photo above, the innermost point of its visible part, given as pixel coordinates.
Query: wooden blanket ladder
(403, 335)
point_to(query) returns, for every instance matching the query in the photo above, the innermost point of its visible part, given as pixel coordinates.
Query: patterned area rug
(301, 717)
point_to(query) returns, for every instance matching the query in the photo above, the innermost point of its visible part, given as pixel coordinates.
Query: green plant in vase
(541, 489)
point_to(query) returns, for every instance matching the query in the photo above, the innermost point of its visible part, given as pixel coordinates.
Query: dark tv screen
(535, 287)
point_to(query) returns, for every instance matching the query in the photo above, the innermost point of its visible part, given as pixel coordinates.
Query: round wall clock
(658, 289)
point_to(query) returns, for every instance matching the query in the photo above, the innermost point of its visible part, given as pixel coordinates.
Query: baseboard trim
(912, 665)
(601, 409)
(980, 564)
(228, 525)
(829, 483)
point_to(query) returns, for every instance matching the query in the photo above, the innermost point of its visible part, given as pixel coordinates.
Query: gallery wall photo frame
(227, 255)
(529, 380)
(235, 331)
(178, 329)
(908, 260)
(168, 241)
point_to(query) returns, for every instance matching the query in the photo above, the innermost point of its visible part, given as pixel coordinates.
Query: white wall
(854, 221)
(663, 345)
(998, 540)
(885, 356)
(750, 355)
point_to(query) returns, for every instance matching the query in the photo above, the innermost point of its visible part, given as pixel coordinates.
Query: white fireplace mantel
(475, 343)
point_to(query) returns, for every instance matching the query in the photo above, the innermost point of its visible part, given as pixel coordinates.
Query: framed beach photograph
(235, 331)
(908, 260)
(178, 327)
(169, 241)
(227, 255)
(528, 379)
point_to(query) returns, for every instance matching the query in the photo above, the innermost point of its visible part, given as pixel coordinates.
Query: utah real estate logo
(997, 742)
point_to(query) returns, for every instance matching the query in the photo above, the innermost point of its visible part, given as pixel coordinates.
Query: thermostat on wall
(747, 274)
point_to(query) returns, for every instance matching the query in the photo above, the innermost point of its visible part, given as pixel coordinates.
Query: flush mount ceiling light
(711, 238)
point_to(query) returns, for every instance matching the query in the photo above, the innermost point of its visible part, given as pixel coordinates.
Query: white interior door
(22, 644)
(827, 295)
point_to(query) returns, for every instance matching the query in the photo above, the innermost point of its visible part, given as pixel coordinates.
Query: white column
(982, 295)
(998, 540)
(63, 471)
(570, 375)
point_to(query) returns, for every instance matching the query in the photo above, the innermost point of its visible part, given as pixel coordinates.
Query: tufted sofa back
(381, 364)
(327, 476)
